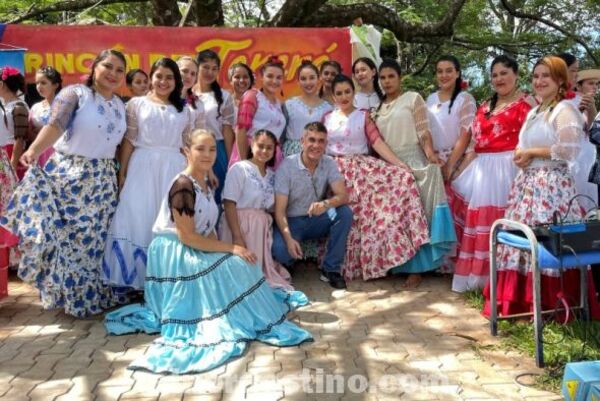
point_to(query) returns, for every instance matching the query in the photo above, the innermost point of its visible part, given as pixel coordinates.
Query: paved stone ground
(408, 345)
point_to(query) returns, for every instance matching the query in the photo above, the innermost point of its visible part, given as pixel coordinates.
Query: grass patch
(474, 299)
(576, 341)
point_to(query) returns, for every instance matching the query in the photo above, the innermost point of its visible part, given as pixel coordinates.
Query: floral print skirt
(537, 193)
(389, 220)
(62, 214)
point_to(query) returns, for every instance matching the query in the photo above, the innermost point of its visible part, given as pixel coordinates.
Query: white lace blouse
(157, 126)
(93, 126)
(366, 102)
(299, 114)
(246, 187)
(446, 126)
(216, 118)
(186, 196)
(39, 115)
(560, 129)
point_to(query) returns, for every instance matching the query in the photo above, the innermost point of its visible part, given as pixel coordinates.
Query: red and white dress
(480, 192)
(539, 190)
(256, 112)
(389, 222)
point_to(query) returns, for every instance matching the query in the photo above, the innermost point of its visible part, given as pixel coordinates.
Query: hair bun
(274, 60)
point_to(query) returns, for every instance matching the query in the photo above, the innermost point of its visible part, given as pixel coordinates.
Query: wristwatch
(326, 203)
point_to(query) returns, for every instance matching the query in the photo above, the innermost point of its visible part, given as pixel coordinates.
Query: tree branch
(519, 14)
(293, 12)
(67, 5)
(427, 60)
(343, 15)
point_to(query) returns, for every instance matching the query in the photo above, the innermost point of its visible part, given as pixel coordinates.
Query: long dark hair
(103, 55)
(371, 64)
(393, 64)
(325, 64)
(175, 95)
(275, 62)
(52, 75)
(458, 84)
(235, 66)
(271, 161)
(131, 75)
(341, 78)
(307, 64)
(508, 62)
(203, 57)
(14, 83)
(331, 63)
(568, 58)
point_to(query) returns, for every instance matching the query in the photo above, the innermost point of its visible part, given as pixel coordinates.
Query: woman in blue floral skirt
(62, 213)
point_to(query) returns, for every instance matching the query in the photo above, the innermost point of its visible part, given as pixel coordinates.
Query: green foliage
(474, 299)
(577, 341)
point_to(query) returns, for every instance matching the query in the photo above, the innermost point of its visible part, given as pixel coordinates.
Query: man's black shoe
(334, 279)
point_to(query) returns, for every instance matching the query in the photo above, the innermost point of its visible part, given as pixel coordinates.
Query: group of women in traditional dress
(130, 196)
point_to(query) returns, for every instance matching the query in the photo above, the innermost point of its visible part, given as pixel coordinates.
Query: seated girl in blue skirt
(207, 298)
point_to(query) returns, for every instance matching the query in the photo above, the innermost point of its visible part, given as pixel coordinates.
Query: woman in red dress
(481, 190)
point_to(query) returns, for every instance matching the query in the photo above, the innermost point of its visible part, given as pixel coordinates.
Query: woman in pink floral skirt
(389, 220)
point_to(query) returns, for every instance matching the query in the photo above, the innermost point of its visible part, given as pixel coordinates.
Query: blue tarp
(11, 54)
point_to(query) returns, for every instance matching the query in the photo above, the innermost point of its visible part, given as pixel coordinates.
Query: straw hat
(588, 74)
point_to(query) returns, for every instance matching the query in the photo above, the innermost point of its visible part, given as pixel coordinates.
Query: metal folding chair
(540, 258)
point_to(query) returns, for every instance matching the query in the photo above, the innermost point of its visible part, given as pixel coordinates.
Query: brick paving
(373, 341)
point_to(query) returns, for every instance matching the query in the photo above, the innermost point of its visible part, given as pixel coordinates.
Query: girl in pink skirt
(248, 198)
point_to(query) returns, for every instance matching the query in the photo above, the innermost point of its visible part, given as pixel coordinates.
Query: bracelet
(326, 203)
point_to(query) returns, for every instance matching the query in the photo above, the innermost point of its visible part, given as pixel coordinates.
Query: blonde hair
(558, 73)
(189, 138)
(186, 58)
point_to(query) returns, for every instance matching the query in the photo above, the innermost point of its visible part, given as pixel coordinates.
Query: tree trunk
(165, 12)
(208, 12)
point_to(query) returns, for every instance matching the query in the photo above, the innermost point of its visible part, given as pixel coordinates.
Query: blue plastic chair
(541, 258)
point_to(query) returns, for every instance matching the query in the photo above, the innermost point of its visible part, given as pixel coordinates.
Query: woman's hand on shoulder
(244, 253)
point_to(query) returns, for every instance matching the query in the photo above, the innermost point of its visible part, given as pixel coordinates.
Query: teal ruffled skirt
(442, 239)
(442, 235)
(207, 307)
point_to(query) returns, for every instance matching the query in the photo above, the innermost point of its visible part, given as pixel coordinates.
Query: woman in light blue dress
(207, 298)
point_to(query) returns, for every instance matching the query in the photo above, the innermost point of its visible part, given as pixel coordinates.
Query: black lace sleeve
(182, 196)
